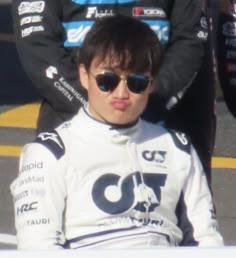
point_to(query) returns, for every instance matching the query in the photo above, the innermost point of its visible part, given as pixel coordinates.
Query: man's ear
(83, 76)
(151, 86)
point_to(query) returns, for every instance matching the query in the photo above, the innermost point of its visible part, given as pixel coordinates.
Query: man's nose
(122, 90)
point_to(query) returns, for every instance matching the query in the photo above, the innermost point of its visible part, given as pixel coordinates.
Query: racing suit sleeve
(227, 53)
(196, 212)
(39, 194)
(183, 56)
(39, 40)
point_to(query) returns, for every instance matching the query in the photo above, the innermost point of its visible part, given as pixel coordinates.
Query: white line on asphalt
(8, 239)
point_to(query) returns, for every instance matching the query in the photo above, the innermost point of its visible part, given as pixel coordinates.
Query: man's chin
(121, 122)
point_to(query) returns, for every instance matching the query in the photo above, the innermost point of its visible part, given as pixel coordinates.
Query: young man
(108, 179)
(227, 53)
(48, 32)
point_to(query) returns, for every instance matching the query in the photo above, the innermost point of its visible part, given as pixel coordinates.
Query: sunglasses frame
(117, 78)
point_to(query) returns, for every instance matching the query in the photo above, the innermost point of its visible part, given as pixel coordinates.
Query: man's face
(118, 106)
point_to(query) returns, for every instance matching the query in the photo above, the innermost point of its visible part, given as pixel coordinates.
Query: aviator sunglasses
(108, 81)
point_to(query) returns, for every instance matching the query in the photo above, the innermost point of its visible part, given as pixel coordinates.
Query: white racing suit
(93, 185)
(49, 33)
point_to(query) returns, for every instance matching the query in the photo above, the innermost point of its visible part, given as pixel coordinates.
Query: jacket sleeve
(39, 40)
(227, 53)
(39, 194)
(185, 52)
(197, 217)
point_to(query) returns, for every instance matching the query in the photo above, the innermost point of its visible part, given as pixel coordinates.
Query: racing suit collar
(112, 126)
(114, 133)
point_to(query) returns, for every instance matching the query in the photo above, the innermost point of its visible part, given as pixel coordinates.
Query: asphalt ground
(17, 127)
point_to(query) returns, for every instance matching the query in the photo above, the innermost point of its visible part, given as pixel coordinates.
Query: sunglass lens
(137, 83)
(107, 81)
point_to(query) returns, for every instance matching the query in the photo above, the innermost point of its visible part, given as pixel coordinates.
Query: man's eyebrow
(110, 68)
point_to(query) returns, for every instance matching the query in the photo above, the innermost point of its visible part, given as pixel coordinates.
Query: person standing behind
(227, 53)
(106, 178)
(194, 112)
(48, 33)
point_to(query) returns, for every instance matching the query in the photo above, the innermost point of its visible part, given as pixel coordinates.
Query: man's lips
(120, 104)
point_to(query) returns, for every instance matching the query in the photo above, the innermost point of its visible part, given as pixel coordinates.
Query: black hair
(124, 39)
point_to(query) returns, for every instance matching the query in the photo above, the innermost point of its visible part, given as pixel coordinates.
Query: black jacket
(227, 52)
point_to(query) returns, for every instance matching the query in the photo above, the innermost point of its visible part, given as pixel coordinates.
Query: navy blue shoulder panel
(181, 140)
(53, 142)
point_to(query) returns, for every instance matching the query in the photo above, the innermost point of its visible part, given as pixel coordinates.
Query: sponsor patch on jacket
(76, 32)
(161, 28)
(28, 7)
(94, 12)
(181, 140)
(149, 12)
(53, 142)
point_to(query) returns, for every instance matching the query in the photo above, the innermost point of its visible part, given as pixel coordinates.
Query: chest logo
(141, 192)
